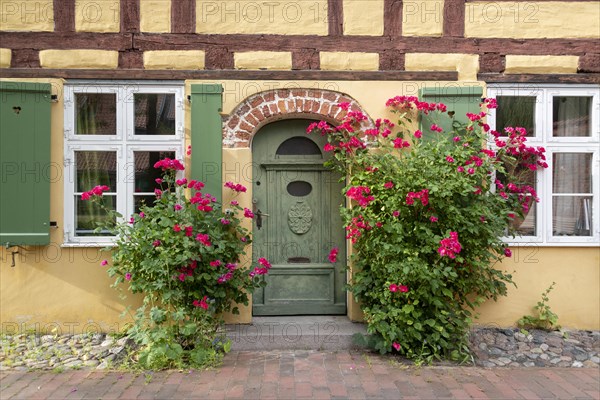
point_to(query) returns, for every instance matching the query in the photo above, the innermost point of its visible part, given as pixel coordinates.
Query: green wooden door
(296, 201)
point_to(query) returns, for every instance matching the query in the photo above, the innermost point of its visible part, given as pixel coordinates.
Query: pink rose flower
(333, 255)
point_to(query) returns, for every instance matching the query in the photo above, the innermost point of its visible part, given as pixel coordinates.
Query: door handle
(259, 214)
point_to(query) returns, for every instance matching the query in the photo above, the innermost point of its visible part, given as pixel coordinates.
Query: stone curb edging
(496, 347)
(491, 347)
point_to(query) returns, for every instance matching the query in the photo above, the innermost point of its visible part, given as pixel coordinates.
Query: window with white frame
(565, 120)
(114, 133)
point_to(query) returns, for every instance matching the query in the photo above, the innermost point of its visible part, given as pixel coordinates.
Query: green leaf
(157, 315)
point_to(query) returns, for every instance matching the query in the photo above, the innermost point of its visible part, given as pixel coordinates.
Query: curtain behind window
(571, 174)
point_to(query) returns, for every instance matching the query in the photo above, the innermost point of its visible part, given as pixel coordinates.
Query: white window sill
(88, 244)
(552, 244)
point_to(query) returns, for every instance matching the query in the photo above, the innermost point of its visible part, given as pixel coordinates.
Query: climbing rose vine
(429, 210)
(183, 254)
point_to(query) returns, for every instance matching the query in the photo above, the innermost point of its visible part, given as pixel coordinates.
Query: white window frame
(124, 143)
(543, 137)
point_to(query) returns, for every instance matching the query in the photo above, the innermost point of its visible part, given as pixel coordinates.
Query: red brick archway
(262, 108)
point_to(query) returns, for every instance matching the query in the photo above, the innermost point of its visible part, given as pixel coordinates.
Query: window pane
(95, 168)
(142, 200)
(154, 114)
(572, 173)
(96, 114)
(571, 116)
(298, 146)
(572, 216)
(524, 176)
(516, 111)
(526, 226)
(145, 173)
(89, 214)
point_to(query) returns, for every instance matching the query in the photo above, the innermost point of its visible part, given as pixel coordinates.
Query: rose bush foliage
(427, 219)
(183, 255)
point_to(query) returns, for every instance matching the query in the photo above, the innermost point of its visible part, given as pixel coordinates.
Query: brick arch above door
(262, 108)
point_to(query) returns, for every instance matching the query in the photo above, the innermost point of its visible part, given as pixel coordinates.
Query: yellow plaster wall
(363, 17)
(575, 298)
(467, 65)
(237, 167)
(174, 59)
(532, 19)
(5, 58)
(27, 15)
(278, 60)
(53, 286)
(541, 64)
(155, 16)
(370, 94)
(423, 18)
(256, 17)
(68, 286)
(349, 61)
(79, 59)
(97, 15)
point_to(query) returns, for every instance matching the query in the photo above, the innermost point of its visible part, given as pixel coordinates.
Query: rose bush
(183, 254)
(427, 219)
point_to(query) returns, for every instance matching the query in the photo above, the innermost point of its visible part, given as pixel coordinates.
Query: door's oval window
(298, 146)
(299, 188)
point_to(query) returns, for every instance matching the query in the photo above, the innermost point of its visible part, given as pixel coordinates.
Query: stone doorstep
(330, 333)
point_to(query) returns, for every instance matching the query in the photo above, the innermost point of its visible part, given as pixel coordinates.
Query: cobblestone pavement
(302, 374)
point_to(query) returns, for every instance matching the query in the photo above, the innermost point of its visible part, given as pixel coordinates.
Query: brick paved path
(309, 374)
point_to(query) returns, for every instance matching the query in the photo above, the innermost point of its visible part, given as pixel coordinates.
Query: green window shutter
(461, 100)
(207, 136)
(25, 163)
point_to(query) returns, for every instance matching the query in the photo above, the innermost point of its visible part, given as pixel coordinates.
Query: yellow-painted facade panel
(5, 58)
(53, 286)
(423, 18)
(97, 15)
(277, 60)
(467, 65)
(255, 17)
(349, 61)
(155, 16)
(79, 59)
(363, 17)
(532, 19)
(575, 298)
(67, 288)
(174, 59)
(27, 15)
(237, 167)
(541, 64)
